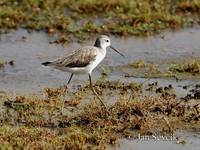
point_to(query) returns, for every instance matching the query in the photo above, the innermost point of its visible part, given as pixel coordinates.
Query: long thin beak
(117, 51)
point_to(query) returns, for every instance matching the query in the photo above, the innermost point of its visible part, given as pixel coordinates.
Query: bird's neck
(103, 47)
(100, 46)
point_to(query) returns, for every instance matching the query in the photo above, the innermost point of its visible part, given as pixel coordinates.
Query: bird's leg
(91, 86)
(70, 78)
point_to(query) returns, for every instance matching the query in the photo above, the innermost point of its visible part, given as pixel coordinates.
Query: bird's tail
(47, 63)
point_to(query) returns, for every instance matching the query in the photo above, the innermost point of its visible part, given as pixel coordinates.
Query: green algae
(192, 66)
(2, 63)
(179, 69)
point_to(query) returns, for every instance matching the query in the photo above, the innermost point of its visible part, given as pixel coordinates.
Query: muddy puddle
(29, 50)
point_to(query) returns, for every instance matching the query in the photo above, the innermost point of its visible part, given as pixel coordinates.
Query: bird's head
(103, 42)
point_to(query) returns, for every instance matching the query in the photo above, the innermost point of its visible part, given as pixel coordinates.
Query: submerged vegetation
(139, 64)
(120, 17)
(3, 63)
(180, 69)
(187, 67)
(52, 122)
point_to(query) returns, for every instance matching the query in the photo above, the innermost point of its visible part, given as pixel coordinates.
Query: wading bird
(84, 60)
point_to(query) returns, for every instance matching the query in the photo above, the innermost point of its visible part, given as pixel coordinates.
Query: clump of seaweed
(188, 67)
(117, 85)
(57, 92)
(145, 69)
(3, 63)
(139, 64)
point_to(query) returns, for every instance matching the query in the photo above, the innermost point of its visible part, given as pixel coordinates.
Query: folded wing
(80, 58)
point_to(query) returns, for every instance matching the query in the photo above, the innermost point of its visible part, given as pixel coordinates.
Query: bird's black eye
(107, 40)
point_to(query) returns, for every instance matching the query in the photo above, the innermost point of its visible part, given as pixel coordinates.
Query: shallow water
(29, 50)
(190, 141)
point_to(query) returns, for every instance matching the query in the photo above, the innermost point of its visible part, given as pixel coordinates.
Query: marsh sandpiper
(84, 60)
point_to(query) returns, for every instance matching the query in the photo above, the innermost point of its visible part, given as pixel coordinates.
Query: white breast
(101, 53)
